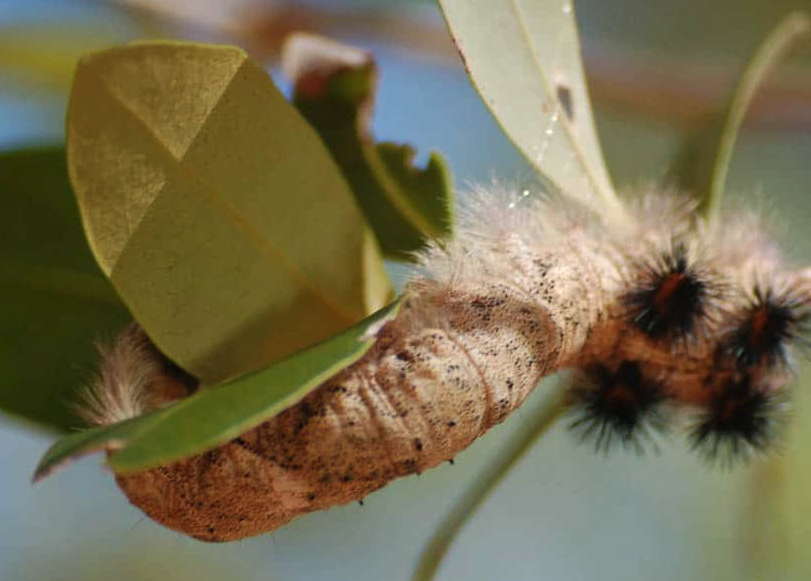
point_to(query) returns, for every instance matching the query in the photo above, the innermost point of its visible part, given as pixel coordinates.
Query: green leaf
(695, 169)
(334, 88)
(56, 301)
(214, 207)
(216, 415)
(523, 57)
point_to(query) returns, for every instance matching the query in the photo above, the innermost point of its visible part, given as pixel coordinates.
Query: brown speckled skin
(456, 361)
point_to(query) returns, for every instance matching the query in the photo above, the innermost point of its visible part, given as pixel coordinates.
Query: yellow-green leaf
(214, 416)
(523, 56)
(214, 208)
(334, 88)
(55, 301)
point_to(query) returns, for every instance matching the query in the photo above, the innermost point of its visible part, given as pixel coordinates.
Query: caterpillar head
(699, 322)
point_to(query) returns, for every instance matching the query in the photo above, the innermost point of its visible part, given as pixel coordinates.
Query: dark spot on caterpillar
(311, 497)
(670, 296)
(622, 405)
(346, 478)
(360, 502)
(740, 419)
(450, 461)
(405, 356)
(451, 424)
(768, 325)
(305, 413)
(418, 444)
(478, 304)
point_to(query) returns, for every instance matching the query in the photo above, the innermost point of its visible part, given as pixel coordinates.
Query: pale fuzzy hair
(746, 236)
(492, 214)
(662, 210)
(123, 386)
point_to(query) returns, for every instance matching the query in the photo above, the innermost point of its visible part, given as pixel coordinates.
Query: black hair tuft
(768, 325)
(671, 296)
(740, 420)
(620, 406)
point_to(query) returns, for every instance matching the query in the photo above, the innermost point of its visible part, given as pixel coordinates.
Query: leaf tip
(310, 61)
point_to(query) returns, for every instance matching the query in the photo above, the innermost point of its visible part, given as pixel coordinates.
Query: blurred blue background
(564, 513)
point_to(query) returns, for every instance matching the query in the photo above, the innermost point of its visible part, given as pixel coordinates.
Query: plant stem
(792, 29)
(531, 429)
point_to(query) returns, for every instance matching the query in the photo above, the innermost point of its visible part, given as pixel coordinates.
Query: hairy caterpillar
(654, 310)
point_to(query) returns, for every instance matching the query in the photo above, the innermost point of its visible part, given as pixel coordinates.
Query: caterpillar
(663, 319)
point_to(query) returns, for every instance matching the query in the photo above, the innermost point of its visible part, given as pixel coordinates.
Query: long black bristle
(741, 420)
(619, 407)
(768, 325)
(670, 295)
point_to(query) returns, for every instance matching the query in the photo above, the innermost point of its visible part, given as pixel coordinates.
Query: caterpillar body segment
(461, 355)
(526, 288)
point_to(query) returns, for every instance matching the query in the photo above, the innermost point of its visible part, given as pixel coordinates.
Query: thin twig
(530, 430)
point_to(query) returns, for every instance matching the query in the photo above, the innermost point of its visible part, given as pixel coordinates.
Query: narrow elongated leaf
(335, 89)
(216, 415)
(214, 208)
(703, 164)
(55, 299)
(523, 56)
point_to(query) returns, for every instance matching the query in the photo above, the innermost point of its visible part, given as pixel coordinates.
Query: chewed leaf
(334, 89)
(55, 299)
(216, 415)
(524, 59)
(214, 207)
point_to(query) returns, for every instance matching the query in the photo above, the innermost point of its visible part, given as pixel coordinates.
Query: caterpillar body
(654, 311)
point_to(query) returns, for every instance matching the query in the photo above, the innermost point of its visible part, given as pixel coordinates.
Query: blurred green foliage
(54, 296)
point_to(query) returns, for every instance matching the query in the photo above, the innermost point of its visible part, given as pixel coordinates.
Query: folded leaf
(523, 56)
(214, 208)
(334, 88)
(214, 416)
(56, 301)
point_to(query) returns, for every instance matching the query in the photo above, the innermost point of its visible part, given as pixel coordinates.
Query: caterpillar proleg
(658, 314)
